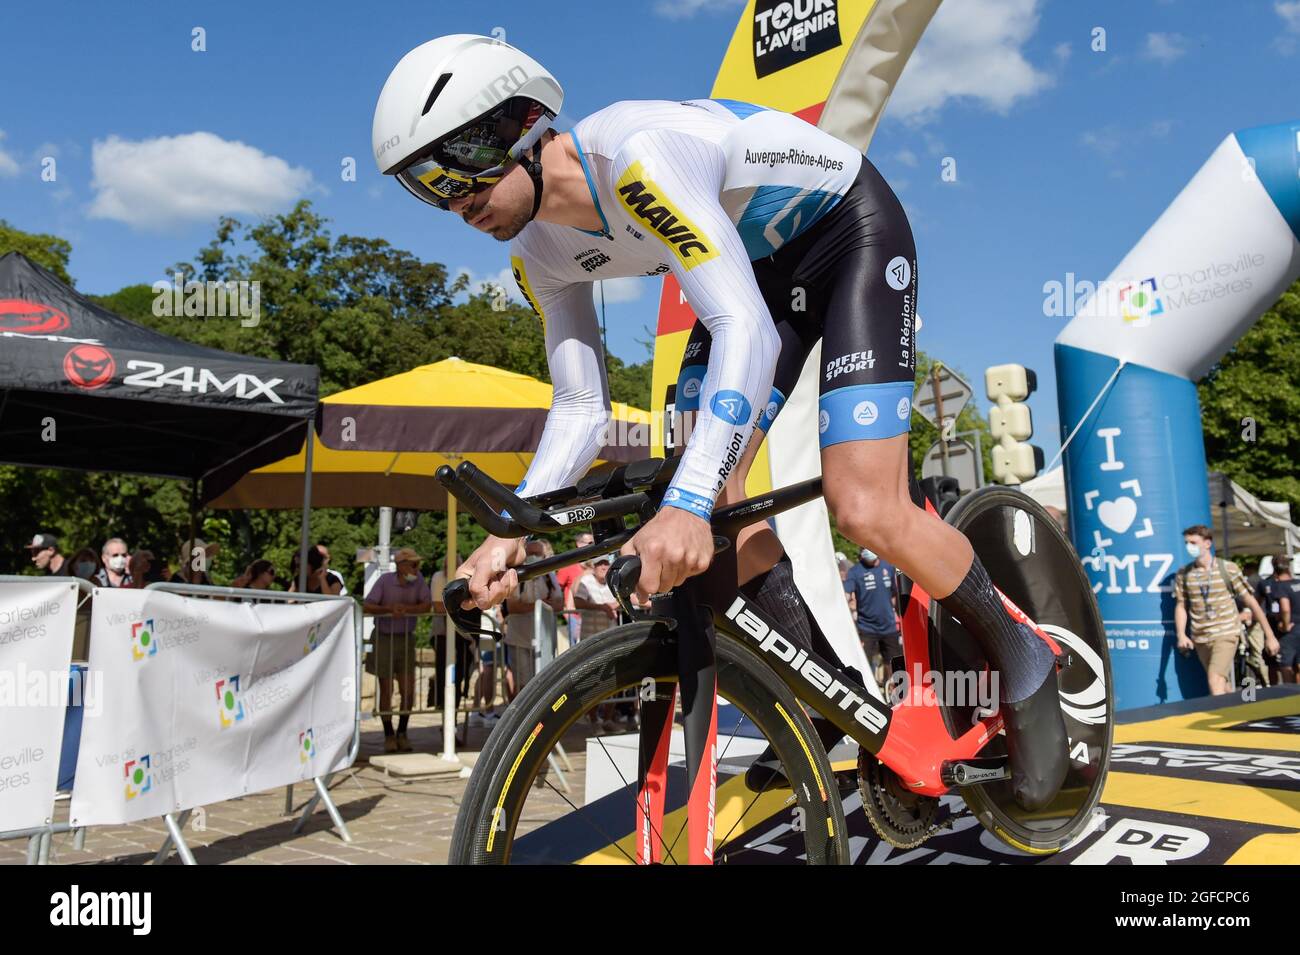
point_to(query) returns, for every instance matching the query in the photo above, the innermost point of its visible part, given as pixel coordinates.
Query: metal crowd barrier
(39, 837)
(175, 825)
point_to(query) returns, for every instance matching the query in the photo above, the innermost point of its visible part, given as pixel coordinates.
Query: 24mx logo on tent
(30, 318)
(153, 374)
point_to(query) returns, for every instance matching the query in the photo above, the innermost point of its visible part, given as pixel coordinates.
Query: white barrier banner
(36, 624)
(205, 700)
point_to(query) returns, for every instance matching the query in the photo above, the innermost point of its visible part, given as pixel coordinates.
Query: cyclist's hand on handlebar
(673, 546)
(489, 571)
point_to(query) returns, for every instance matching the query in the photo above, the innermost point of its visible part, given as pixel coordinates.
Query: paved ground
(390, 821)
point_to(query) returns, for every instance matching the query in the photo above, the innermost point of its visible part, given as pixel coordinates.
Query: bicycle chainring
(902, 818)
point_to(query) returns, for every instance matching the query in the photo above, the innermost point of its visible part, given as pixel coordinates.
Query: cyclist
(780, 236)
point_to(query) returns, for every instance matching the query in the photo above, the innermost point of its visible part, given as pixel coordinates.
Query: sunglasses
(476, 156)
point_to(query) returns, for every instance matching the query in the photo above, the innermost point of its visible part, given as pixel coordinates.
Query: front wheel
(1030, 560)
(519, 807)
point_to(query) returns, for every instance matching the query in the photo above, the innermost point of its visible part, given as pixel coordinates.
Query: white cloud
(8, 165)
(1289, 11)
(195, 177)
(1062, 52)
(1165, 47)
(503, 279)
(906, 157)
(972, 49)
(685, 9)
(622, 290)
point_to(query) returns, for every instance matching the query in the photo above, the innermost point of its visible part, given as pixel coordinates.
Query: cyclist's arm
(668, 186)
(575, 424)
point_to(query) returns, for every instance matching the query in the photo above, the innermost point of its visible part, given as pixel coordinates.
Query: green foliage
(47, 251)
(357, 308)
(1250, 407)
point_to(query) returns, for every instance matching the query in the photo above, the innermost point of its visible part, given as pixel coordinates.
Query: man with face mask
(114, 557)
(394, 600)
(1205, 613)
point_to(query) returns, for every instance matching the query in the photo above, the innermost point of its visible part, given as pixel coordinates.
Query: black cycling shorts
(850, 282)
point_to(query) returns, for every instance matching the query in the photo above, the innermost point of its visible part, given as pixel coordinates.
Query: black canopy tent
(85, 389)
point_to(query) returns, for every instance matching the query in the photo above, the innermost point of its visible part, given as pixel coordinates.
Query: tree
(1250, 406)
(47, 251)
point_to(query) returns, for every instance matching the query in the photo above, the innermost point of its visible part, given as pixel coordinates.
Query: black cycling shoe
(766, 773)
(1037, 745)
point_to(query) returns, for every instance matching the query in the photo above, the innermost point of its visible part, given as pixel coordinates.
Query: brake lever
(465, 621)
(624, 573)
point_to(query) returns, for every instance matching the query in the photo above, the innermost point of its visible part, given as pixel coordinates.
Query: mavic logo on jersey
(645, 202)
(731, 406)
(526, 290)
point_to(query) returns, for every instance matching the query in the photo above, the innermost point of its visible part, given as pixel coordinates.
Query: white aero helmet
(456, 110)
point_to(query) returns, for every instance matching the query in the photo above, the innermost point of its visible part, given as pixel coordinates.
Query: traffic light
(1011, 423)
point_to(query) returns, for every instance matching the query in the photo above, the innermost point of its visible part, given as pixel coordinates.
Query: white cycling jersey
(700, 189)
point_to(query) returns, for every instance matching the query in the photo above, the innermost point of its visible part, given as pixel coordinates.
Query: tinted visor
(475, 155)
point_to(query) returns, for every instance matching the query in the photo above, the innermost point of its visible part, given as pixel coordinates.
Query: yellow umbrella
(380, 443)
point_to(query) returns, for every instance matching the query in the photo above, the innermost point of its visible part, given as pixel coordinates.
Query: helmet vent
(437, 88)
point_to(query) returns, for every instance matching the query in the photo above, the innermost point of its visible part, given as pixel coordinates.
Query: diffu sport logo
(30, 318)
(787, 32)
(306, 745)
(645, 202)
(1139, 302)
(89, 366)
(139, 776)
(143, 643)
(230, 702)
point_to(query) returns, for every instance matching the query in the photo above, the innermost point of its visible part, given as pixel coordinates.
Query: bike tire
(1032, 561)
(605, 664)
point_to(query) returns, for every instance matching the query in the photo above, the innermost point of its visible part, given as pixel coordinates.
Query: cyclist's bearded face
(502, 209)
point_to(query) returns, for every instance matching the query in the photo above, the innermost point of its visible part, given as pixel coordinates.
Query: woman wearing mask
(85, 564)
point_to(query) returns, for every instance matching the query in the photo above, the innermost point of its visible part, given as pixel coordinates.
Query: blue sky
(1064, 155)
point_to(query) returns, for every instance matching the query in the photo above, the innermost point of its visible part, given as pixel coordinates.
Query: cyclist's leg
(868, 356)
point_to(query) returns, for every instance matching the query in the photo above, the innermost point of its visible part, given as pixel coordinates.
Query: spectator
(114, 570)
(594, 599)
(486, 697)
(1280, 597)
(394, 600)
(44, 549)
(333, 575)
(1204, 604)
(259, 575)
(568, 578)
(872, 583)
(196, 558)
(84, 564)
(520, 633)
(319, 581)
(438, 636)
(144, 569)
(599, 609)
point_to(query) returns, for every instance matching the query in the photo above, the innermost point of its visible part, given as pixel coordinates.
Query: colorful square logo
(1139, 302)
(230, 701)
(313, 640)
(143, 643)
(306, 745)
(139, 776)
